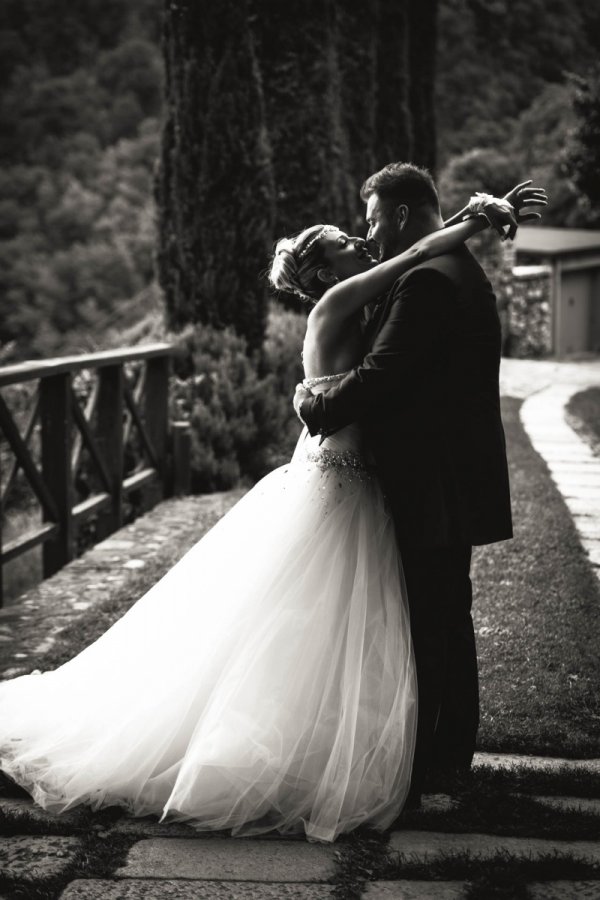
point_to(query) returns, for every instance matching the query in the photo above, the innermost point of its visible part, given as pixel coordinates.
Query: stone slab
(37, 857)
(587, 527)
(587, 478)
(564, 452)
(579, 506)
(429, 846)
(236, 859)
(438, 803)
(579, 492)
(144, 889)
(564, 890)
(592, 548)
(16, 811)
(537, 763)
(589, 806)
(415, 890)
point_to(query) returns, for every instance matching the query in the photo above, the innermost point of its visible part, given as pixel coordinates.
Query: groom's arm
(407, 345)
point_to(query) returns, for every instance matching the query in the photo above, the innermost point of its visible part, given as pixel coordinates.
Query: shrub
(239, 406)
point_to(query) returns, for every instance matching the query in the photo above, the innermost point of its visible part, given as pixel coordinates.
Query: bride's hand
(505, 214)
(500, 214)
(523, 197)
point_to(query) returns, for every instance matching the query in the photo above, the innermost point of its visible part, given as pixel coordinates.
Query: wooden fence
(124, 403)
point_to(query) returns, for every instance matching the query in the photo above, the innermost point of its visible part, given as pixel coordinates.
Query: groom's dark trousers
(427, 397)
(439, 595)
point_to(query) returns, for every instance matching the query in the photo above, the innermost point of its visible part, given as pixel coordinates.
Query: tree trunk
(214, 189)
(422, 42)
(344, 94)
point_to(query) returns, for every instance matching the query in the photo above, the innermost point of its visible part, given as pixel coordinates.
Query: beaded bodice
(342, 451)
(322, 382)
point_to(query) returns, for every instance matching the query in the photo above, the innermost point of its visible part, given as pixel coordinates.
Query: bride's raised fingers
(529, 216)
(523, 184)
(534, 201)
(532, 192)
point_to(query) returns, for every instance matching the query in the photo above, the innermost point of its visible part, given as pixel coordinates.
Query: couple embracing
(306, 664)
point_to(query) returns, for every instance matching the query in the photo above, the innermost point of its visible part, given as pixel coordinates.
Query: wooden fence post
(156, 412)
(109, 431)
(55, 416)
(1, 528)
(181, 437)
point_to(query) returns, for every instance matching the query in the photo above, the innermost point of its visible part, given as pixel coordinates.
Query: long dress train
(265, 683)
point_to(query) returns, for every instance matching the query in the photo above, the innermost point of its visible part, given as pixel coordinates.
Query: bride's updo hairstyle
(297, 261)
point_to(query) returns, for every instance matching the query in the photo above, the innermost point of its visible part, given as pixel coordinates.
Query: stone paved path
(573, 466)
(173, 861)
(547, 387)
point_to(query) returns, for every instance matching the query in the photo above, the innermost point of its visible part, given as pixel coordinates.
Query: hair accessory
(326, 229)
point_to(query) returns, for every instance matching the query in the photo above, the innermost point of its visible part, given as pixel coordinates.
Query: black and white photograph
(299, 450)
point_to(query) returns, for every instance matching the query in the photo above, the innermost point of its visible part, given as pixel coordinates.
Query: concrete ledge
(158, 538)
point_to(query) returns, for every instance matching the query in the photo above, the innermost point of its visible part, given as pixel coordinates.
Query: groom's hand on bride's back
(300, 396)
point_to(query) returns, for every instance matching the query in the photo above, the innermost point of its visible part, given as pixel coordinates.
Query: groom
(427, 396)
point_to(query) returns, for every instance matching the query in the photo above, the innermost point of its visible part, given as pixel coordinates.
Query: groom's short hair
(400, 183)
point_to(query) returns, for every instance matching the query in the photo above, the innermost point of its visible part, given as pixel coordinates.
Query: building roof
(555, 241)
(531, 271)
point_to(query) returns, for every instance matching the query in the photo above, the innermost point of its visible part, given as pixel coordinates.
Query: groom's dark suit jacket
(427, 396)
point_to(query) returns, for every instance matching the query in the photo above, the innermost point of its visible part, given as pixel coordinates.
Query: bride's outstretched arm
(522, 198)
(348, 297)
(345, 299)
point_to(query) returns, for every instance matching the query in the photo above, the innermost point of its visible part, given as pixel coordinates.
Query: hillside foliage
(82, 112)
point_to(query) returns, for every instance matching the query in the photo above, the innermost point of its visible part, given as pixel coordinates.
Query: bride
(267, 681)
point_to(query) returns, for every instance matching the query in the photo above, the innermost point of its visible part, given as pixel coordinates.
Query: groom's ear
(326, 276)
(401, 216)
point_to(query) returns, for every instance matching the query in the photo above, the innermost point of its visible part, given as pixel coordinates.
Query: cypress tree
(358, 60)
(214, 188)
(340, 93)
(393, 136)
(300, 66)
(422, 37)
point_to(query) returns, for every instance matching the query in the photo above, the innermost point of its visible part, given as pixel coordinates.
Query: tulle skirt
(265, 683)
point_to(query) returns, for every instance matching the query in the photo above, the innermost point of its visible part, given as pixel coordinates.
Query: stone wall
(523, 294)
(526, 316)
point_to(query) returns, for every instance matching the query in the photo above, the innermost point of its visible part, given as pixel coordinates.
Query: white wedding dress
(265, 683)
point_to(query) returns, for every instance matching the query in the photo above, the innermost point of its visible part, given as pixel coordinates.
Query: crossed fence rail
(117, 417)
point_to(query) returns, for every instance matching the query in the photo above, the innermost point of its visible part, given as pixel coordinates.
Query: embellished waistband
(345, 461)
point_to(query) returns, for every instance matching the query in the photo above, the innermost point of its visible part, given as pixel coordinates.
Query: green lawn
(536, 616)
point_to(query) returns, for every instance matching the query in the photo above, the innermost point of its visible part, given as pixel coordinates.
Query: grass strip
(501, 877)
(504, 804)
(360, 856)
(536, 618)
